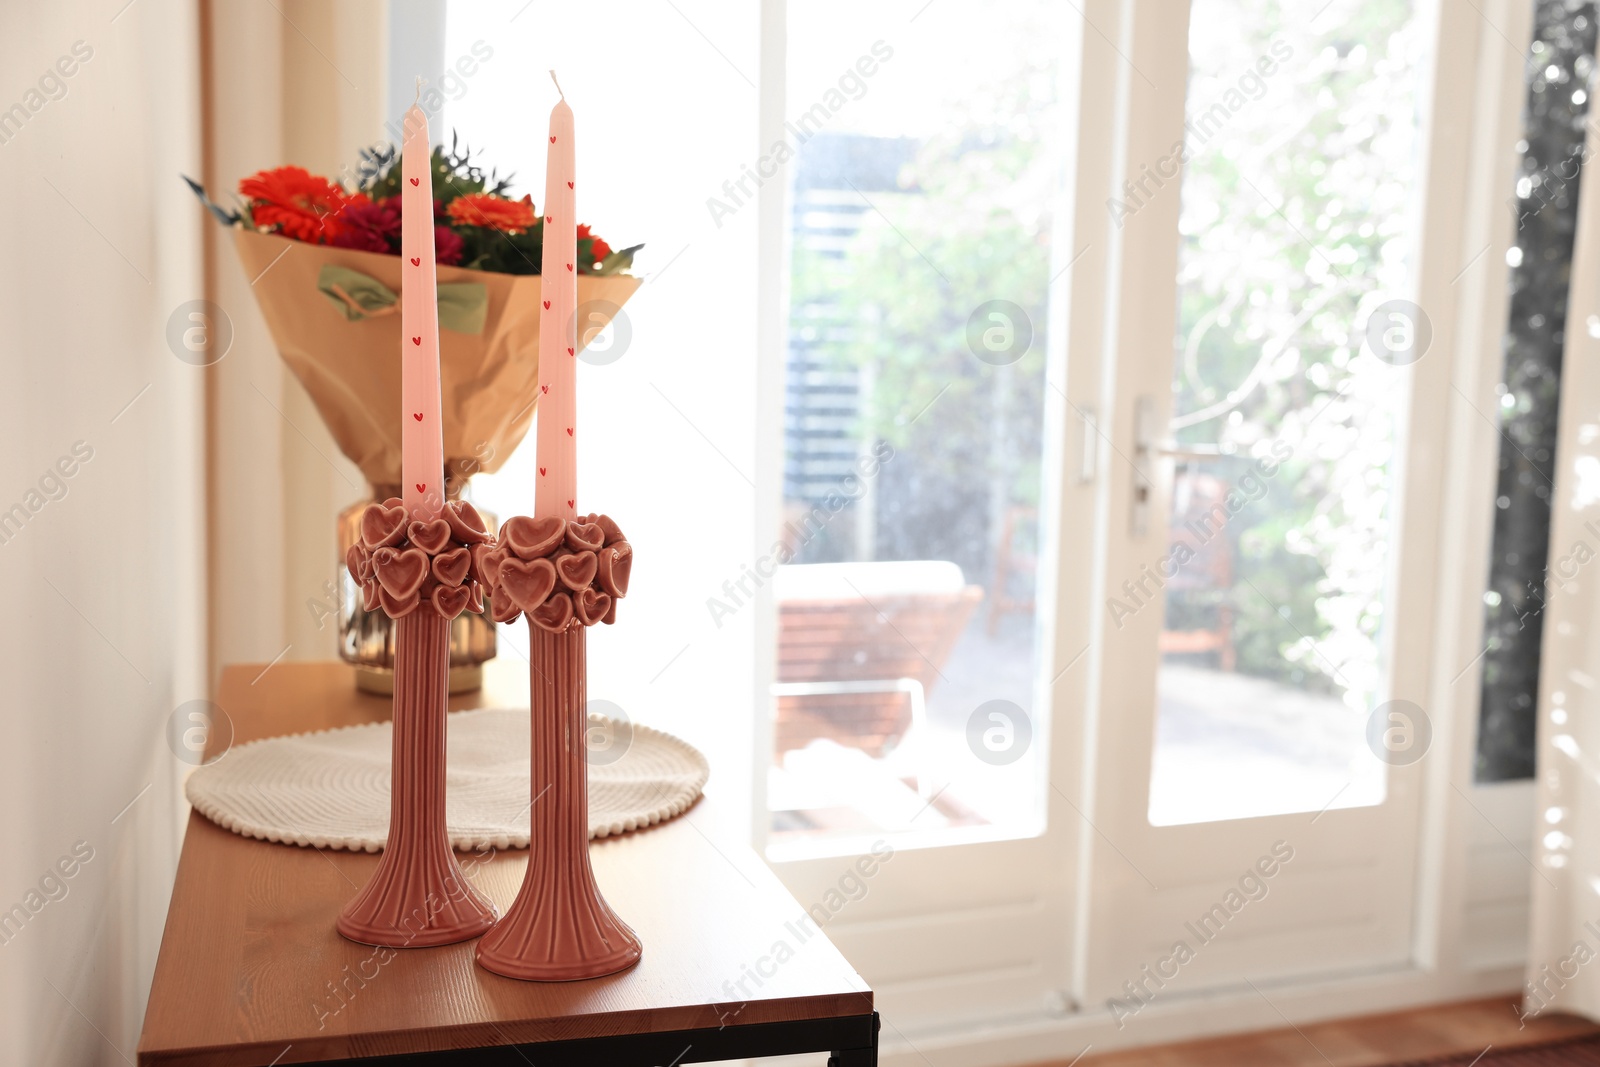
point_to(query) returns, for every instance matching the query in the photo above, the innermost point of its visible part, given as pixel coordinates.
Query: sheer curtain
(669, 415)
(1564, 952)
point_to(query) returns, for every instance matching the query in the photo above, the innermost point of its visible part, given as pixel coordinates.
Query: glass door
(1263, 587)
(923, 154)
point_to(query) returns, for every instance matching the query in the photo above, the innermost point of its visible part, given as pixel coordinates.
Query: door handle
(1144, 451)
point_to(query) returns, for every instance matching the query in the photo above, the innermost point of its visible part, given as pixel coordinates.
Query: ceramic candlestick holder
(566, 576)
(420, 574)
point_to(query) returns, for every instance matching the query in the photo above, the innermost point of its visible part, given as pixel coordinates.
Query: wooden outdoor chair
(859, 645)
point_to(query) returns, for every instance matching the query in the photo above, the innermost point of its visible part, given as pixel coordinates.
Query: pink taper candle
(557, 492)
(421, 435)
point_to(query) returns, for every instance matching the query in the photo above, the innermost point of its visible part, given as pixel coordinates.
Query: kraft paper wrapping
(488, 381)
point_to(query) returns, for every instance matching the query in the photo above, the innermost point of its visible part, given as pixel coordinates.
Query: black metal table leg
(858, 1057)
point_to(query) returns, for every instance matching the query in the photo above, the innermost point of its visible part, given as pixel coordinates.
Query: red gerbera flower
(296, 203)
(492, 212)
(599, 250)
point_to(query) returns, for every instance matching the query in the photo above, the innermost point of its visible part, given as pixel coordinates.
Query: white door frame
(1460, 844)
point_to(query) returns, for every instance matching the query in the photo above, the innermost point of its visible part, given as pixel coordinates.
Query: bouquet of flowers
(326, 262)
(324, 259)
(477, 224)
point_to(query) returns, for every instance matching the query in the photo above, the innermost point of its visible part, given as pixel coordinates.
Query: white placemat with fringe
(330, 789)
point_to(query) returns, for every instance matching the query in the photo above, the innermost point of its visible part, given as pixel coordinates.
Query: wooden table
(251, 971)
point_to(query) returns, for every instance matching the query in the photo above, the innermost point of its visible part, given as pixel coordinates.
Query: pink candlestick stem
(419, 896)
(421, 435)
(559, 929)
(557, 490)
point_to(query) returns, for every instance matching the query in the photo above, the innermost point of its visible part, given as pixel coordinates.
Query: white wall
(101, 637)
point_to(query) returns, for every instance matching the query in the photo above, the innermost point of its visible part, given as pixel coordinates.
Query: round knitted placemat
(330, 789)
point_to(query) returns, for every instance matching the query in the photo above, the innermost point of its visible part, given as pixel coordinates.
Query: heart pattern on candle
(416, 340)
(544, 388)
(417, 415)
(542, 472)
(569, 185)
(415, 181)
(570, 352)
(547, 305)
(422, 487)
(552, 138)
(569, 431)
(416, 261)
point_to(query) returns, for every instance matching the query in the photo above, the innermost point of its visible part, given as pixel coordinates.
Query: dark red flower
(369, 227)
(447, 246)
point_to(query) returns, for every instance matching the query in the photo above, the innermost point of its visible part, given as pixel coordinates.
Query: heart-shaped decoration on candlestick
(532, 538)
(585, 536)
(615, 565)
(369, 596)
(382, 525)
(431, 536)
(577, 570)
(465, 522)
(400, 572)
(527, 582)
(397, 607)
(591, 606)
(501, 609)
(356, 561)
(450, 601)
(486, 560)
(554, 614)
(475, 598)
(451, 567)
(608, 526)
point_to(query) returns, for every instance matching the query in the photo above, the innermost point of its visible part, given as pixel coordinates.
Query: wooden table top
(251, 971)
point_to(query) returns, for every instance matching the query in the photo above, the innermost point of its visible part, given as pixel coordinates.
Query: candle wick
(558, 84)
(418, 97)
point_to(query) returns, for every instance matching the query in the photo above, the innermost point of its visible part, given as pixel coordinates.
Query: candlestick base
(560, 928)
(419, 897)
